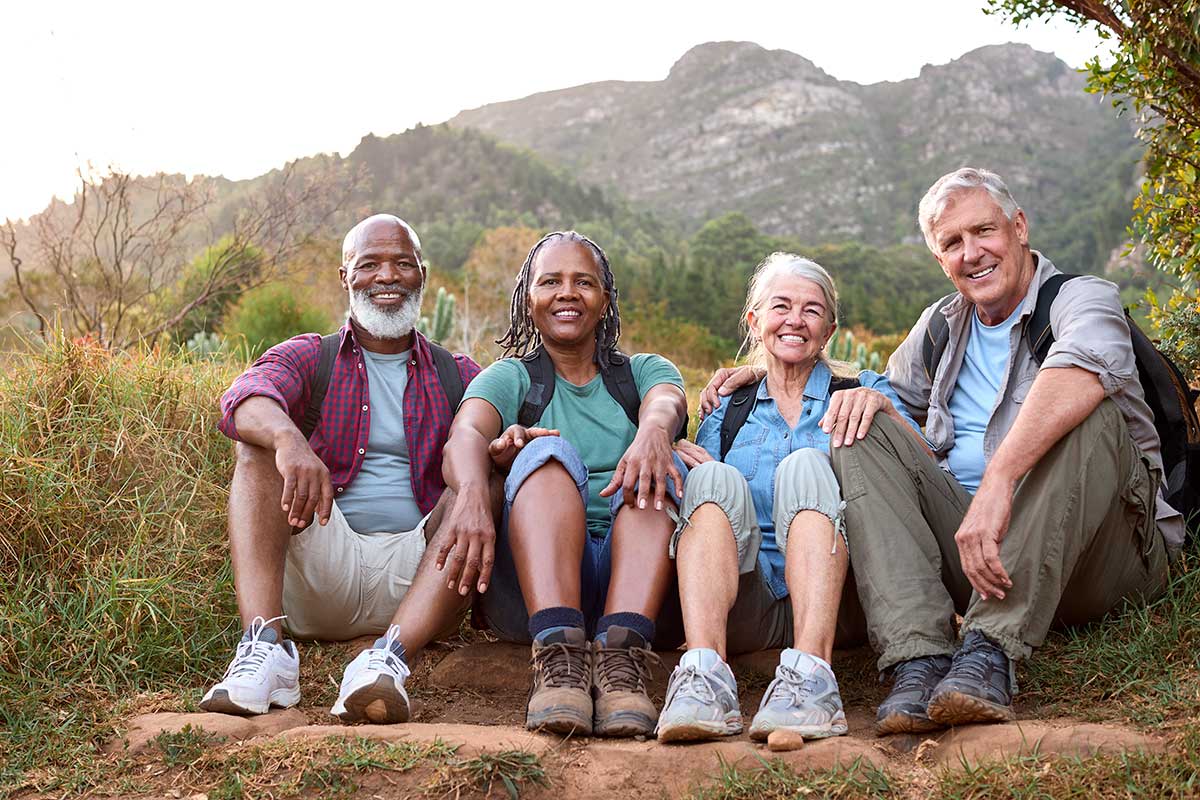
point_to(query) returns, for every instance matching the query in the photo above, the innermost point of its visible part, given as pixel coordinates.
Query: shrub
(270, 314)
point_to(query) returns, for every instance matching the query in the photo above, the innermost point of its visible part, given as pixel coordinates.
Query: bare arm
(466, 466)
(1058, 401)
(649, 461)
(262, 422)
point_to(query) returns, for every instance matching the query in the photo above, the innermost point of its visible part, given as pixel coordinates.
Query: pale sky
(238, 88)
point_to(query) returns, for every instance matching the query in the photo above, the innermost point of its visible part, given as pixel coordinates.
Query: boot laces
(624, 668)
(563, 664)
(252, 654)
(913, 674)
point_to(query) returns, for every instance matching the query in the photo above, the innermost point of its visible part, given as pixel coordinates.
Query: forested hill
(735, 127)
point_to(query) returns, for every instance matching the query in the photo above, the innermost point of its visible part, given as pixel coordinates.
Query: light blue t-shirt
(979, 382)
(381, 496)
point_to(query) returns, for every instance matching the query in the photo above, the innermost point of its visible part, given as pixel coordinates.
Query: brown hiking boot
(560, 699)
(620, 671)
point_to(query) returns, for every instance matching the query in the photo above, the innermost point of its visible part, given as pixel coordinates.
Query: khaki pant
(1081, 540)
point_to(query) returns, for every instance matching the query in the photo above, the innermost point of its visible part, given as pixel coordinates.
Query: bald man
(331, 532)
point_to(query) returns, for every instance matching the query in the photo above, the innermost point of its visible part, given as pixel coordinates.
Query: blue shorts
(502, 606)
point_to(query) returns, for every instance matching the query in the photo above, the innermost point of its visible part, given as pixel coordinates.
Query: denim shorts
(502, 606)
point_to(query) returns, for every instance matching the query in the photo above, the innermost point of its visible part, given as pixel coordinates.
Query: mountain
(736, 127)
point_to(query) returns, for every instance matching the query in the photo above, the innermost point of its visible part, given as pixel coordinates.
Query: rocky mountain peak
(723, 60)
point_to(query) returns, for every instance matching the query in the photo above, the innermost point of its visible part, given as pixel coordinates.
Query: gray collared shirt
(1090, 332)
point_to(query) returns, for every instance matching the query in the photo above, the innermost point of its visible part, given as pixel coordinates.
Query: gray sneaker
(979, 686)
(702, 701)
(803, 698)
(906, 708)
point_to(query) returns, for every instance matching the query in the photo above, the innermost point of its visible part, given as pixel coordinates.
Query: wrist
(288, 437)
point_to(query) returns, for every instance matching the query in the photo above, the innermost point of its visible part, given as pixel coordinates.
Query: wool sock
(643, 626)
(558, 617)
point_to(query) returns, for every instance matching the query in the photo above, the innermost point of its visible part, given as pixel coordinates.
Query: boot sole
(380, 703)
(957, 708)
(905, 723)
(624, 723)
(561, 720)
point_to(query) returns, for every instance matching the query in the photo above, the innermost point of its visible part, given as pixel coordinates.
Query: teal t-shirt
(586, 416)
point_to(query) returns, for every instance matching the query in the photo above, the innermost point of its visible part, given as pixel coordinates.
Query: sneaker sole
(380, 703)
(562, 720)
(222, 703)
(905, 723)
(806, 731)
(957, 708)
(698, 731)
(624, 723)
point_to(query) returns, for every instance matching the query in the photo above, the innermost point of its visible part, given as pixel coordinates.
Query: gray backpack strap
(937, 335)
(312, 414)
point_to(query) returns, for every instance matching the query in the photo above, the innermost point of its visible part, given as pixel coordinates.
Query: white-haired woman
(760, 551)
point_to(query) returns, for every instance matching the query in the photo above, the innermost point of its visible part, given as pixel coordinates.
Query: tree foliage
(1155, 73)
(269, 314)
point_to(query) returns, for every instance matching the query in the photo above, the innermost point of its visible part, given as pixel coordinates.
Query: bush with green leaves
(270, 314)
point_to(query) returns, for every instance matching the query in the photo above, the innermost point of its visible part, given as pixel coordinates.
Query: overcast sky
(237, 88)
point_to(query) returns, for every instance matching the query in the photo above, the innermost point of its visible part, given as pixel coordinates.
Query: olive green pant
(1081, 539)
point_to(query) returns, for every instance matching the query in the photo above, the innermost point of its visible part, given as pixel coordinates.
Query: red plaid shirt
(285, 373)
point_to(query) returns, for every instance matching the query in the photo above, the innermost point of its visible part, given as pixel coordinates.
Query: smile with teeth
(793, 338)
(983, 273)
(567, 313)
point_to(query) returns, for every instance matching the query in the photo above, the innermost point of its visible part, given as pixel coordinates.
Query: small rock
(782, 741)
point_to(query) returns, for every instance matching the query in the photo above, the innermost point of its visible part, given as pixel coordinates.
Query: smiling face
(384, 277)
(794, 321)
(566, 295)
(984, 253)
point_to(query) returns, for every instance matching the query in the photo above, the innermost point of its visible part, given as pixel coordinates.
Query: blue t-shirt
(766, 439)
(985, 363)
(381, 497)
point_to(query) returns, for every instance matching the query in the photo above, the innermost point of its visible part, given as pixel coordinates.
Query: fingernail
(641, 503)
(482, 588)
(658, 505)
(462, 590)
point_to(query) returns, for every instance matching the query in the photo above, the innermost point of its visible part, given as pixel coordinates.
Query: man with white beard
(371, 475)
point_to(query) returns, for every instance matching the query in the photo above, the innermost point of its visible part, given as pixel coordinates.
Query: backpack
(741, 403)
(1171, 400)
(618, 380)
(447, 370)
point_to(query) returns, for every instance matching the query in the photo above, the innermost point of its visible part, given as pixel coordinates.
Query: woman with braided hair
(583, 434)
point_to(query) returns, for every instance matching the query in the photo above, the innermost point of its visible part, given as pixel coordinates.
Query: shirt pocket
(1021, 389)
(747, 450)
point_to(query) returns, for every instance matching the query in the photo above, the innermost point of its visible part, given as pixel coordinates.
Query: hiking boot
(803, 698)
(560, 699)
(906, 708)
(263, 673)
(620, 671)
(372, 687)
(702, 700)
(979, 686)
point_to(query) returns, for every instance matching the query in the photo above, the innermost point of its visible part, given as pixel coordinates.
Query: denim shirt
(766, 439)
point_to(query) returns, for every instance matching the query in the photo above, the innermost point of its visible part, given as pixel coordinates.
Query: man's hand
(306, 485)
(979, 536)
(851, 412)
(692, 454)
(724, 382)
(646, 465)
(504, 448)
(471, 536)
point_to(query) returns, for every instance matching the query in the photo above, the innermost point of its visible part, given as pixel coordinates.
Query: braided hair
(522, 337)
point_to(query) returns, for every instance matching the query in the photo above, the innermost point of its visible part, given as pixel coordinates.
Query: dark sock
(643, 626)
(554, 617)
(396, 647)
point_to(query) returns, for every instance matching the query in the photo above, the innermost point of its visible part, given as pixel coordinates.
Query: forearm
(466, 466)
(1058, 401)
(665, 412)
(262, 421)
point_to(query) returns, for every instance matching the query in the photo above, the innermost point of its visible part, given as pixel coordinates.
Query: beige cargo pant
(1081, 540)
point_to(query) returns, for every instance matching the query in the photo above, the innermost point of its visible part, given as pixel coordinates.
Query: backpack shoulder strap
(1037, 330)
(937, 334)
(618, 380)
(838, 384)
(541, 386)
(316, 397)
(741, 403)
(448, 375)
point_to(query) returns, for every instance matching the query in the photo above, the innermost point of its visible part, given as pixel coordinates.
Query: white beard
(386, 324)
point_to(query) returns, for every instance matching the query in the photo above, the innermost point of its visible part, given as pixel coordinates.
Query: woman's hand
(471, 537)
(692, 454)
(724, 382)
(646, 465)
(851, 412)
(504, 448)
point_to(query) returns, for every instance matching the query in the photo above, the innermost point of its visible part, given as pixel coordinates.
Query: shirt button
(340, 489)
(361, 451)
(413, 362)
(364, 408)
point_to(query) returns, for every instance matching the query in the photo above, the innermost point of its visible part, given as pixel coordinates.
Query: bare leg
(641, 569)
(258, 535)
(706, 559)
(814, 579)
(546, 534)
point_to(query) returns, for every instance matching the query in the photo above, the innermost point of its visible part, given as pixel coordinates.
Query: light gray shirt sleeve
(1090, 332)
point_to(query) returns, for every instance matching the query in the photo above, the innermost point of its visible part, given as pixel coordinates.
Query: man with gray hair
(1042, 505)
(338, 491)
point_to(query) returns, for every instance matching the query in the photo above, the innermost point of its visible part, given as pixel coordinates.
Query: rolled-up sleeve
(282, 373)
(906, 374)
(1090, 332)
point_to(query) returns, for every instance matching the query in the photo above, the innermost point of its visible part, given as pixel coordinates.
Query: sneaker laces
(564, 664)
(252, 653)
(385, 658)
(974, 660)
(624, 668)
(692, 682)
(789, 684)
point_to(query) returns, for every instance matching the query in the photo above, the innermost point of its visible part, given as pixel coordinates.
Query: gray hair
(765, 274)
(935, 200)
(351, 240)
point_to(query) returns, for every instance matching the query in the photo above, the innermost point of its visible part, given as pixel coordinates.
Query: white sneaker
(373, 686)
(803, 698)
(262, 674)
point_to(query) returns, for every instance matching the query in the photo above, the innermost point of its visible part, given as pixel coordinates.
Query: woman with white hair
(760, 552)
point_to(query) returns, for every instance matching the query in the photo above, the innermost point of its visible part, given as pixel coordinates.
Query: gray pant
(1081, 539)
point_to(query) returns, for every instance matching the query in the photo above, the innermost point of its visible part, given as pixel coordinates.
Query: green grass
(775, 779)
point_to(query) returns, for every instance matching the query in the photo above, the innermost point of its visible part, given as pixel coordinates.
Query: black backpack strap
(316, 397)
(618, 380)
(1037, 330)
(541, 387)
(448, 375)
(741, 403)
(838, 384)
(937, 334)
